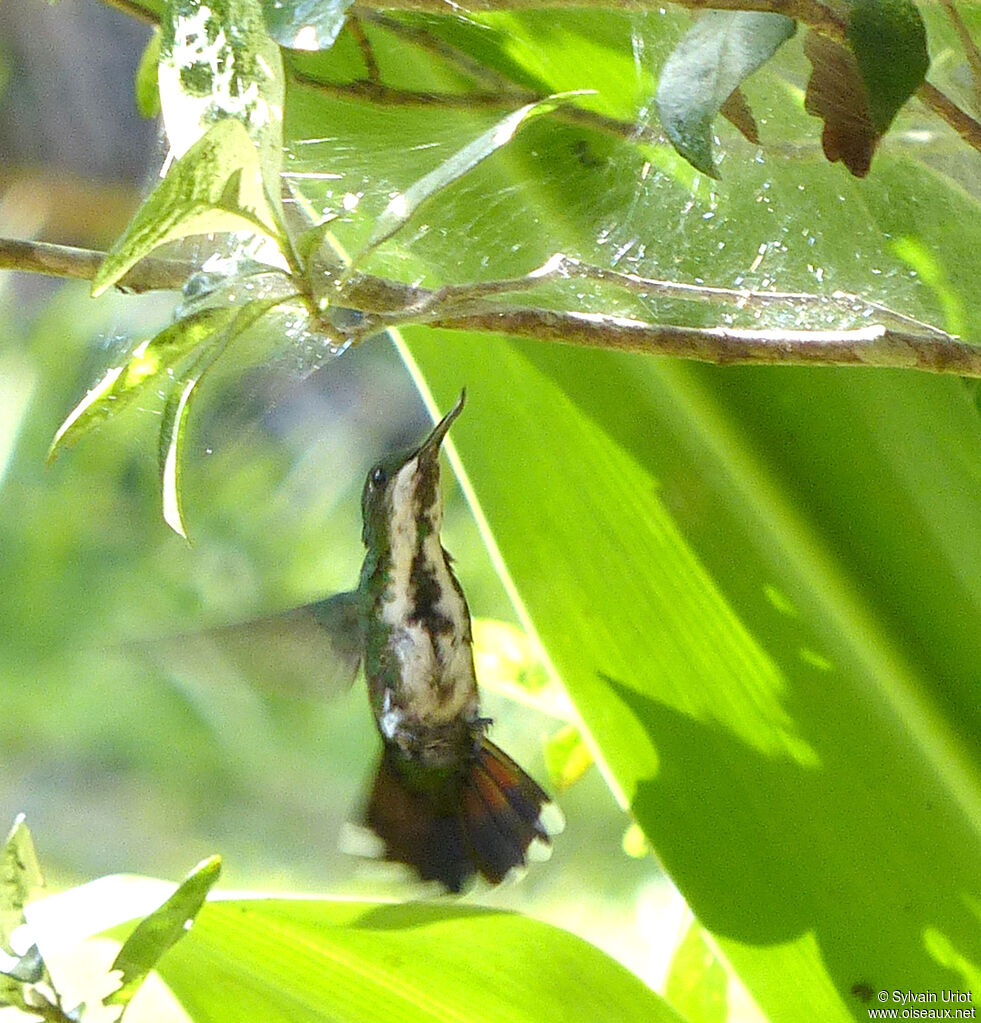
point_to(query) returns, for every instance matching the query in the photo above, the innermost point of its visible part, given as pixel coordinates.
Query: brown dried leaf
(737, 112)
(836, 93)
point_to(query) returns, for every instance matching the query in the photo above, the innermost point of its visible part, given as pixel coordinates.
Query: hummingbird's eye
(378, 476)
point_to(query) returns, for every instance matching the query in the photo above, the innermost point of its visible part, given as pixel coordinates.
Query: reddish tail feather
(451, 827)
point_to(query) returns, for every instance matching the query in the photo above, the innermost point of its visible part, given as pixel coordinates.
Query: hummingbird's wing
(341, 618)
(308, 652)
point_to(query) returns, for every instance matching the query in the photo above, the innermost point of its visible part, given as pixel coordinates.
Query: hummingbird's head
(401, 494)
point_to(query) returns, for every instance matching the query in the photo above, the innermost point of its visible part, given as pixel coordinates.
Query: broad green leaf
(749, 773)
(697, 983)
(313, 961)
(404, 206)
(215, 186)
(306, 24)
(158, 932)
(889, 41)
(719, 51)
(148, 363)
(175, 414)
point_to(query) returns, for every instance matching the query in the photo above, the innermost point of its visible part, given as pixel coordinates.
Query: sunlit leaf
(700, 726)
(719, 51)
(404, 205)
(218, 62)
(306, 24)
(158, 932)
(148, 363)
(215, 186)
(174, 423)
(314, 961)
(145, 83)
(697, 984)
(19, 876)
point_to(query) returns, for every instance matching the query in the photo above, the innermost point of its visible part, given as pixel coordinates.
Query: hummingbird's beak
(430, 446)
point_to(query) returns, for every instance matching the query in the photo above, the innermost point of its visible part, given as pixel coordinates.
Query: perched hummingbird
(445, 799)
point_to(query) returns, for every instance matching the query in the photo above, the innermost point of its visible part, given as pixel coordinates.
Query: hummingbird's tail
(450, 829)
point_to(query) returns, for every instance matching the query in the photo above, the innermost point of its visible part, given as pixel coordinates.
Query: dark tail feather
(480, 822)
(414, 829)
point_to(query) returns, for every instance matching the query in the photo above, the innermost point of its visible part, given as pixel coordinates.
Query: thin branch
(562, 268)
(900, 342)
(971, 52)
(875, 345)
(386, 302)
(376, 92)
(82, 264)
(966, 126)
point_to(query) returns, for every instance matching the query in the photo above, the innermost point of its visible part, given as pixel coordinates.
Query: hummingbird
(445, 800)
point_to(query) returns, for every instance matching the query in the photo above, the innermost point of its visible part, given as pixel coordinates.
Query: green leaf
(716, 55)
(149, 363)
(306, 24)
(697, 985)
(313, 961)
(145, 83)
(404, 206)
(19, 876)
(175, 414)
(889, 41)
(752, 770)
(218, 62)
(158, 932)
(215, 186)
